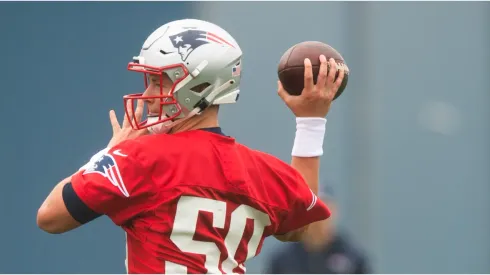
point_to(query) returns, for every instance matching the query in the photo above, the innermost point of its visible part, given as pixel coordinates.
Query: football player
(190, 198)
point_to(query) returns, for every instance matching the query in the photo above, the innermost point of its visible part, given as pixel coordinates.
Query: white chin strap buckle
(160, 128)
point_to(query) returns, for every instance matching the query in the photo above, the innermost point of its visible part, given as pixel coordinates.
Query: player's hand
(120, 134)
(315, 100)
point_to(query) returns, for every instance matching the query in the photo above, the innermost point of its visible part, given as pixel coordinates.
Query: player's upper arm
(53, 216)
(304, 209)
(118, 185)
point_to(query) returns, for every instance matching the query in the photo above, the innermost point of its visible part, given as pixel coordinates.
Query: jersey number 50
(185, 223)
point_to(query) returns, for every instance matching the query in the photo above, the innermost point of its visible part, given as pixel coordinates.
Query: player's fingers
(332, 71)
(282, 92)
(115, 124)
(129, 114)
(308, 86)
(322, 74)
(341, 75)
(338, 81)
(139, 110)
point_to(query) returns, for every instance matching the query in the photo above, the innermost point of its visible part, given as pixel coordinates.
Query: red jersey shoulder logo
(108, 168)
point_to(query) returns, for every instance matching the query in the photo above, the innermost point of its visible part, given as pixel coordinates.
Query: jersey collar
(216, 130)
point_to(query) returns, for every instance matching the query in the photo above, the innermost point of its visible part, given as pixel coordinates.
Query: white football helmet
(202, 60)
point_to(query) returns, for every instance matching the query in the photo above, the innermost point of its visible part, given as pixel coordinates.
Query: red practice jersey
(195, 201)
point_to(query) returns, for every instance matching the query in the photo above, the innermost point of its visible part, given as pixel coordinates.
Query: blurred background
(407, 145)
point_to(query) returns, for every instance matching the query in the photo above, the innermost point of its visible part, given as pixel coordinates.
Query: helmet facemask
(169, 109)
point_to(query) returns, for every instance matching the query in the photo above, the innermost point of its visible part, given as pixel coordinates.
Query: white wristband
(310, 132)
(94, 158)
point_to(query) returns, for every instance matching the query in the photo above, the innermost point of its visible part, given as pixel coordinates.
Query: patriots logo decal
(187, 41)
(107, 167)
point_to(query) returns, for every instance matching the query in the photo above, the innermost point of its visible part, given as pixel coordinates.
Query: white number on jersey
(184, 228)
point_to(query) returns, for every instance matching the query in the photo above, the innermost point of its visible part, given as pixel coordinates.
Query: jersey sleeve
(306, 208)
(117, 185)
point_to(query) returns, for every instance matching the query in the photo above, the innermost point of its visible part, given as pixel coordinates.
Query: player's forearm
(307, 149)
(309, 168)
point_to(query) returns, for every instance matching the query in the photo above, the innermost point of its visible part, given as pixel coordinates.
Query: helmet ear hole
(201, 87)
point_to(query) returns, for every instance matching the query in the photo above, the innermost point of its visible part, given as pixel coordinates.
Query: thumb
(281, 92)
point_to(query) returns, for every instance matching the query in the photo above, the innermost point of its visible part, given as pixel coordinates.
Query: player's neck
(207, 119)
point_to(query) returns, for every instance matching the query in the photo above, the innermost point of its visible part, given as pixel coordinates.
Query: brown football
(291, 66)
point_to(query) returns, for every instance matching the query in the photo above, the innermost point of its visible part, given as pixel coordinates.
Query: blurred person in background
(330, 251)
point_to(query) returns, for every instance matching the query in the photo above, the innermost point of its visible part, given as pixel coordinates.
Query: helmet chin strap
(160, 128)
(166, 126)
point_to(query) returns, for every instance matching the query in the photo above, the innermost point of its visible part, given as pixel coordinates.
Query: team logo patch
(107, 167)
(187, 41)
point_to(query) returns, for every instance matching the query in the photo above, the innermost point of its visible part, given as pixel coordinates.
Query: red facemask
(130, 101)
